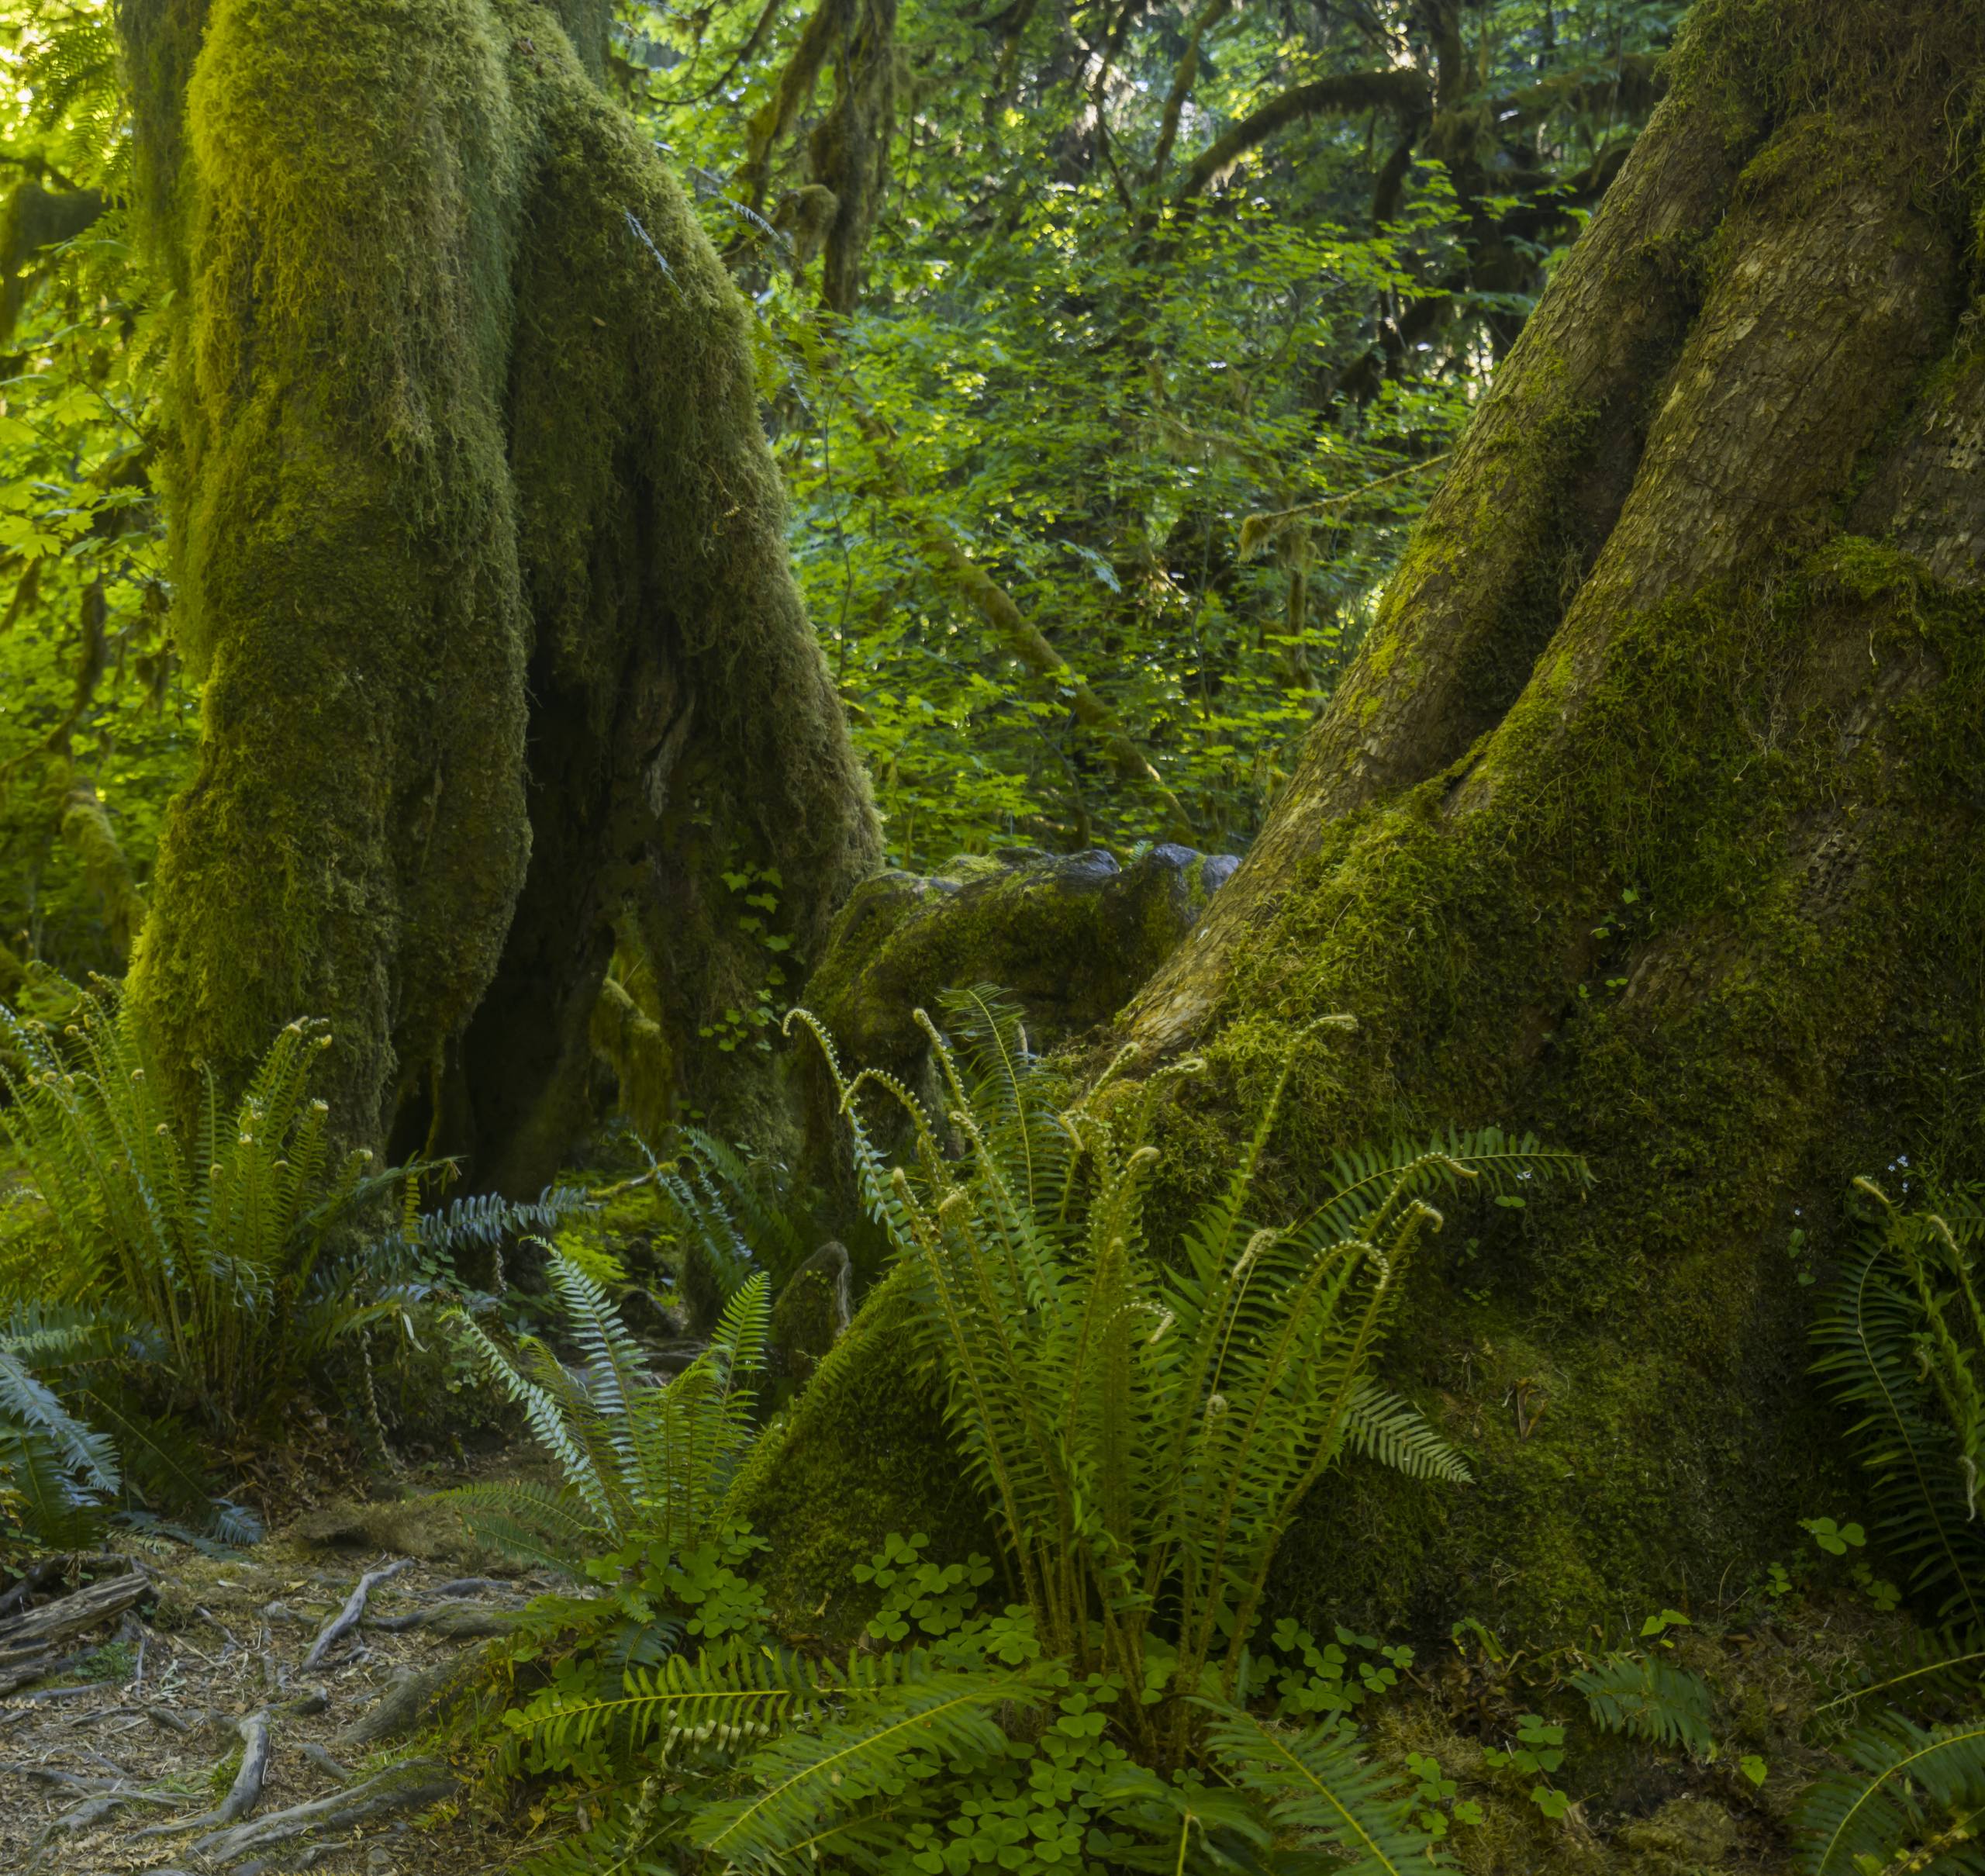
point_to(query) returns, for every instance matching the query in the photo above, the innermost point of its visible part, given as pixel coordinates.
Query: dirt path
(183, 1733)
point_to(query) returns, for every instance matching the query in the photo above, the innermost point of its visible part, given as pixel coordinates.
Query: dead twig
(347, 1617)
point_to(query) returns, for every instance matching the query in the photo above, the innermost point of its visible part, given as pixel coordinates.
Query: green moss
(864, 1454)
(1714, 1043)
(343, 540)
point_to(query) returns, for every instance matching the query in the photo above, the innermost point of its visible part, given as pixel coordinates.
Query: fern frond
(1314, 1782)
(733, 1692)
(1381, 1426)
(543, 1524)
(1946, 1665)
(1908, 1788)
(1870, 1333)
(1653, 1698)
(808, 1780)
(40, 1493)
(30, 1405)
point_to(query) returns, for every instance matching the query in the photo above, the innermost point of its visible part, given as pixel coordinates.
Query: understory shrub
(188, 1283)
(208, 1238)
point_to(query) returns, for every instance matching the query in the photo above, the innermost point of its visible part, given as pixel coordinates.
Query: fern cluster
(1901, 1342)
(1142, 1436)
(207, 1239)
(729, 1214)
(187, 1281)
(1901, 1339)
(641, 1459)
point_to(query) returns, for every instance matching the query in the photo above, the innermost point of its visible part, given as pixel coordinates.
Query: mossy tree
(479, 553)
(1648, 816)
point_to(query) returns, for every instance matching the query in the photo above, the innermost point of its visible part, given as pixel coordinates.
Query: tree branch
(770, 122)
(1406, 93)
(1182, 81)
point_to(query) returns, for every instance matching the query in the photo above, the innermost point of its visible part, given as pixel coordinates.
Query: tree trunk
(479, 553)
(1647, 817)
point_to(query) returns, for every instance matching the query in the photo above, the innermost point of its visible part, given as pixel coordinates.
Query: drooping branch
(754, 40)
(1631, 89)
(1182, 81)
(1405, 93)
(850, 147)
(34, 219)
(774, 119)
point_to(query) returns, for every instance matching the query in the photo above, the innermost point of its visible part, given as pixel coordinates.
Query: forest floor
(117, 1757)
(122, 1756)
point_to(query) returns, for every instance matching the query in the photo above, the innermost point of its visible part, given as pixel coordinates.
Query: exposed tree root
(405, 1788)
(242, 1795)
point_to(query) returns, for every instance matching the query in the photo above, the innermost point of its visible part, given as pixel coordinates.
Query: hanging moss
(87, 829)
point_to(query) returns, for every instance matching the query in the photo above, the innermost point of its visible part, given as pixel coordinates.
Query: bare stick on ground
(347, 1617)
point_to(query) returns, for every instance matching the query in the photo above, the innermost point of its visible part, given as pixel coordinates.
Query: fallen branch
(40, 1575)
(83, 1786)
(29, 1641)
(347, 1617)
(404, 1788)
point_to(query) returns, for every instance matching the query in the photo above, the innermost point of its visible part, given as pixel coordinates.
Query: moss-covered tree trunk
(1649, 817)
(479, 555)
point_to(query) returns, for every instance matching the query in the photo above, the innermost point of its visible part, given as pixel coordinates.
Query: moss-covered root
(87, 829)
(1704, 902)
(463, 414)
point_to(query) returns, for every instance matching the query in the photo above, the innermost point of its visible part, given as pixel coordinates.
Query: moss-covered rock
(812, 1312)
(862, 1454)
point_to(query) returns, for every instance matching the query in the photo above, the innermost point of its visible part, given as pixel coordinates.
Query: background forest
(1103, 402)
(800, 804)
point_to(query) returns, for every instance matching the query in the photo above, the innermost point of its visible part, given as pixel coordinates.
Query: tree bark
(479, 554)
(1648, 816)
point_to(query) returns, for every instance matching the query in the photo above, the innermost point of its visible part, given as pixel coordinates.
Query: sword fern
(1143, 1433)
